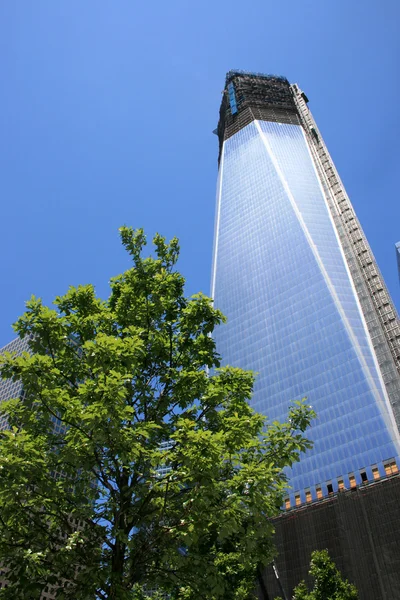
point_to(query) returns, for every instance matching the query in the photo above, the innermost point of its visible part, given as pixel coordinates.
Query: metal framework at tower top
(240, 73)
(251, 96)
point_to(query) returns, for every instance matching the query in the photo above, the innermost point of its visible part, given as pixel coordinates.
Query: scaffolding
(250, 96)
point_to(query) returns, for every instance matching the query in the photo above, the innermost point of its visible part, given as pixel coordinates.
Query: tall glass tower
(306, 304)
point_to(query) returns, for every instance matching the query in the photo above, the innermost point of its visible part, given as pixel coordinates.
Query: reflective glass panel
(279, 275)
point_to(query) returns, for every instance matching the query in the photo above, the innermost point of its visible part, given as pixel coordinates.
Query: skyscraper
(398, 256)
(307, 307)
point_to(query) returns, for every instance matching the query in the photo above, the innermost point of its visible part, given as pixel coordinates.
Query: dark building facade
(307, 307)
(361, 530)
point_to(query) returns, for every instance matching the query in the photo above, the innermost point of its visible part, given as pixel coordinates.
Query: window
(329, 487)
(232, 98)
(319, 493)
(341, 487)
(364, 477)
(352, 481)
(375, 472)
(391, 467)
(297, 500)
(287, 503)
(308, 496)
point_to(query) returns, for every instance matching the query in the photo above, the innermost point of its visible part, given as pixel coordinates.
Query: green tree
(132, 461)
(328, 582)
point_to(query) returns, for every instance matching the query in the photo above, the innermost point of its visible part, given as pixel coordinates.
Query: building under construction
(308, 310)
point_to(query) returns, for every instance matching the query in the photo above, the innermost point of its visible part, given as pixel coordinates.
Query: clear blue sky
(106, 114)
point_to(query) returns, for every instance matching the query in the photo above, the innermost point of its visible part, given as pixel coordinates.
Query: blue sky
(106, 118)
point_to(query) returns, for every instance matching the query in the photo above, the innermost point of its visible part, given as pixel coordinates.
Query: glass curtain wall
(280, 277)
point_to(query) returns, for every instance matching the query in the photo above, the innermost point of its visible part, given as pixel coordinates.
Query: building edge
(379, 312)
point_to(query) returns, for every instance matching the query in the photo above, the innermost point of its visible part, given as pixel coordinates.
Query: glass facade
(13, 389)
(8, 388)
(280, 276)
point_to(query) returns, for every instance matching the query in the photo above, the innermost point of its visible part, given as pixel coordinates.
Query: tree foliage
(328, 582)
(132, 461)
